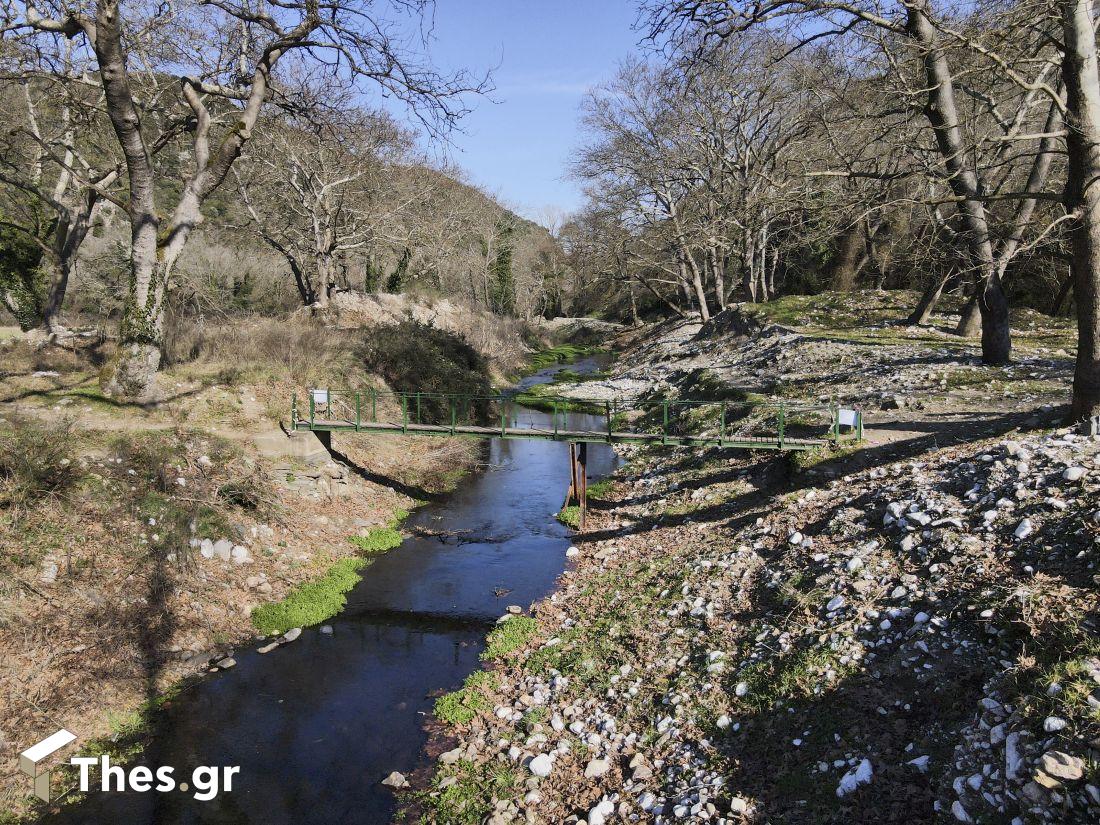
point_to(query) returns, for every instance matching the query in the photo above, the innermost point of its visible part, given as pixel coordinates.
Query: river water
(316, 725)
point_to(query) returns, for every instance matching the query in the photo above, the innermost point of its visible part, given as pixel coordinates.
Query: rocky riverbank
(905, 634)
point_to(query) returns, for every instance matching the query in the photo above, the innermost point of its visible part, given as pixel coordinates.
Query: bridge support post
(578, 481)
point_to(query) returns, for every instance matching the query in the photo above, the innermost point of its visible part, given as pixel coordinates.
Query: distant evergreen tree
(396, 282)
(372, 275)
(503, 280)
(23, 284)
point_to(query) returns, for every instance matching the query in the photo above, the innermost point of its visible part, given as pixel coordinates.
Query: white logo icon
(30, 761)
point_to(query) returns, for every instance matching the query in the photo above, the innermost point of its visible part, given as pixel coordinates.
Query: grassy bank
(316, 601)
(560, 354)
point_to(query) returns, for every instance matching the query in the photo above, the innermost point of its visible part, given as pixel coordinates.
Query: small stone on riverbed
(395, 780)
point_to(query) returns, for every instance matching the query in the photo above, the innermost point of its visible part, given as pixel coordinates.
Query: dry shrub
(292, 350)
(36, 462)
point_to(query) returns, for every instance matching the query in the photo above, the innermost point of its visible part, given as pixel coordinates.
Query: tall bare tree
(216, 64)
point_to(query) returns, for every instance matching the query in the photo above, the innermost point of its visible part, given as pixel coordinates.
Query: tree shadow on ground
(409, 490)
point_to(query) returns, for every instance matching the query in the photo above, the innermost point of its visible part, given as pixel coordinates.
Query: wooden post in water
(582, 478)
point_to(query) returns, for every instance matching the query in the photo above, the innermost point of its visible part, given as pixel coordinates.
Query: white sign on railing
(847, 418)
(319, 396)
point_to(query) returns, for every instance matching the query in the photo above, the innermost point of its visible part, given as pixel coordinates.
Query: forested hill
(424, 231)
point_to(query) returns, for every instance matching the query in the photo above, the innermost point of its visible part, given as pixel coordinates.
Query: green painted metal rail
(683, 423)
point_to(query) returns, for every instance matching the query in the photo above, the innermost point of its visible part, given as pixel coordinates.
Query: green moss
(459, 707)
(377, 540)
(312, 602)
(508, 636)
(561, 354)
(543, 397)
(570, 516)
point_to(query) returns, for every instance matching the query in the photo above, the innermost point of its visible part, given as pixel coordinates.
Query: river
(316, 725)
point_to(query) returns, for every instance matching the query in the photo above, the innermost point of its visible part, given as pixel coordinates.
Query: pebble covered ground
(738, 640)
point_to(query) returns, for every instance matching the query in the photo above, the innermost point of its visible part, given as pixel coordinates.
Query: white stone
(541, 765)
(1053, 724)
(1074, 473)
(861, 774)
(920, 763)
(1024, 529)
(598, 815)
(241, 555)
(395, 780)
(959, 812)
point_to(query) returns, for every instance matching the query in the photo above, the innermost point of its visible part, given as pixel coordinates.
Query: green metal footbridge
(579, 422)
(677, 423)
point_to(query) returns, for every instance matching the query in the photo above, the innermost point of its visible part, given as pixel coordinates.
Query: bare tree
(317, 195)
(52, 176)
(226, 56)
(915, 26)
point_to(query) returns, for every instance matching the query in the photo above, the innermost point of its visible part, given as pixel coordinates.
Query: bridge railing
(669, 421)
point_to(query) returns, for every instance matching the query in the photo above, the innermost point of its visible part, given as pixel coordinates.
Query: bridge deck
(589, 436)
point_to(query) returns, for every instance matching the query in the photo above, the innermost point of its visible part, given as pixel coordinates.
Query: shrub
(416, 357)
(36, 461)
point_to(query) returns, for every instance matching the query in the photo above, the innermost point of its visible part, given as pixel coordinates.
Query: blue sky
(543, 54)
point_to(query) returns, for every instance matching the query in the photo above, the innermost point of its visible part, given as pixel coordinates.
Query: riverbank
(144, 546)
(906, 633)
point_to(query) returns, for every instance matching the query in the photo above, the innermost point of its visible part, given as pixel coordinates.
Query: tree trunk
(1082, 80)
(1060, 298)
(970, 319)
(927, 303)
(717, 265)
(748, 266)
(943, 116)
(771, 272)
(689, 269)
(762, 293)
(849, 258)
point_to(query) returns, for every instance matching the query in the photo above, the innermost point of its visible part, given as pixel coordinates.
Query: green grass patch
(802, 460)
(310, 603)
(313, 602)
(459, 707)
(570, 516)
(469, 801)
(789, 676)
(600, 489)
(378, 540)
(508, 636)
(561, 354)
